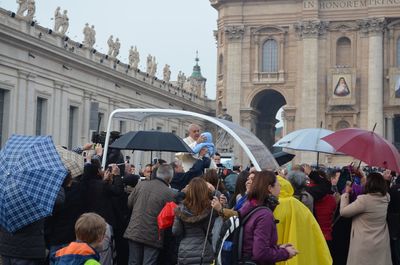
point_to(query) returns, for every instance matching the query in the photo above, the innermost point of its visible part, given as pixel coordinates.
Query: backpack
(229, 245)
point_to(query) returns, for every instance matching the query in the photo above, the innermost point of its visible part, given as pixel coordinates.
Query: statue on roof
(61, 21)
(149, 63)
(110, 43)
(89, 36)
(117, 46)
(31, 9)
(64, 23)
(166, 73)
(153, 69)
(134, 58)
(181, 79)
(22, 7)
(92, 36)
(57, 19)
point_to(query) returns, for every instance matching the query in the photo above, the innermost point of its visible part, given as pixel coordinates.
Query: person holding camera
(99, 189)
(369, 240)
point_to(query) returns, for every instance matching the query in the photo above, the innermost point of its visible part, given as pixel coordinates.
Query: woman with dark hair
(211, 176)
(240, 188)
(260, 235)
(191, 222)
(369, 238)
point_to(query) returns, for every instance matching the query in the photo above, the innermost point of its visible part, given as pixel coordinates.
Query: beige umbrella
(71, 160)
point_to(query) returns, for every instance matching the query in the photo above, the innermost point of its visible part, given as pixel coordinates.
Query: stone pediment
(263, 30)
(343, 26)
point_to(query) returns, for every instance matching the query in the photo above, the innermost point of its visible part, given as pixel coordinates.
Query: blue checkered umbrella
(31, 175)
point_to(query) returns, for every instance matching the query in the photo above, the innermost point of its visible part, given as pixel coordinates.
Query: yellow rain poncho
(298, 226)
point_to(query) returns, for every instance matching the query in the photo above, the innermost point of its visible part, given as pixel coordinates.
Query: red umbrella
(366, 146)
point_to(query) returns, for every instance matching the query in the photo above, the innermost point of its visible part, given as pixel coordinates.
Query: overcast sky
(171, 30)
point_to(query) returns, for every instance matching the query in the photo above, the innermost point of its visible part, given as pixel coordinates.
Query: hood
(208, 137)
(208, 143)
(188, 217)
(286, 188)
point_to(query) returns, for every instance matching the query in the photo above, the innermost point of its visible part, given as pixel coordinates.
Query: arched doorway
(267, 103)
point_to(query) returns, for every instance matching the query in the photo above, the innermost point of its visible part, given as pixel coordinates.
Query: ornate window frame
(351, 51)
(259, 36)
(276, 53)
(394, 66)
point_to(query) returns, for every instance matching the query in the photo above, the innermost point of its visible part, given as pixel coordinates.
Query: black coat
(323, 186)
(97, 194)
(28, 242)
(180, 180)
(60, 227)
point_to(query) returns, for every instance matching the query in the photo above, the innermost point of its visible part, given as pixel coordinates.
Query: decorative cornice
(234, 32)
(343, 26)
(372, 25)
(311, 29)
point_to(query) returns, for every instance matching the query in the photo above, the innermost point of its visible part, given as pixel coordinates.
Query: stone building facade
(52, 85)
(330, 61)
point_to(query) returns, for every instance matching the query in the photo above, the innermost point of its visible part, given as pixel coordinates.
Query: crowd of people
(299, 216)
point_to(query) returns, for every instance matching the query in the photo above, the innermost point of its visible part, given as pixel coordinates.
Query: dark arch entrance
(267, 103)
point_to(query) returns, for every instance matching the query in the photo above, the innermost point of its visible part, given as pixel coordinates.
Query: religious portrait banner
(341, 85)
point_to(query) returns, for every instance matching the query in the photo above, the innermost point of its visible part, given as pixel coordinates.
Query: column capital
(26, 75)
(215, 33)
(389, 115)
(311, 29)
(374, 26)
(234, 32)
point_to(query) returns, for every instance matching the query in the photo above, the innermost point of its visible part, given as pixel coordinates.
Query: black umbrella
(151, 141)
(283, 157)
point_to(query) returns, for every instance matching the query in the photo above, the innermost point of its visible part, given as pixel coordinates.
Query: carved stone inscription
(348, 4)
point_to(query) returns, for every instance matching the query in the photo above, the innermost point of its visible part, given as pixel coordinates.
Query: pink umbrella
(366, 146)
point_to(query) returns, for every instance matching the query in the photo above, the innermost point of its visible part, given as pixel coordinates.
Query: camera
(100, 137)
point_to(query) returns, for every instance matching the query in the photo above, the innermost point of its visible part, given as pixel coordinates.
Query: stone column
(249, 121)
(281, 54)
(289, 118)
(375, 73)
(57, 112)
(309, 32)
(21, 94)
(25, 109)
(31, 106)
(389, 128)
(233, 59)
(85, 133)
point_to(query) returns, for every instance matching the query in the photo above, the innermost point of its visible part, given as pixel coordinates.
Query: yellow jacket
(298, 226)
